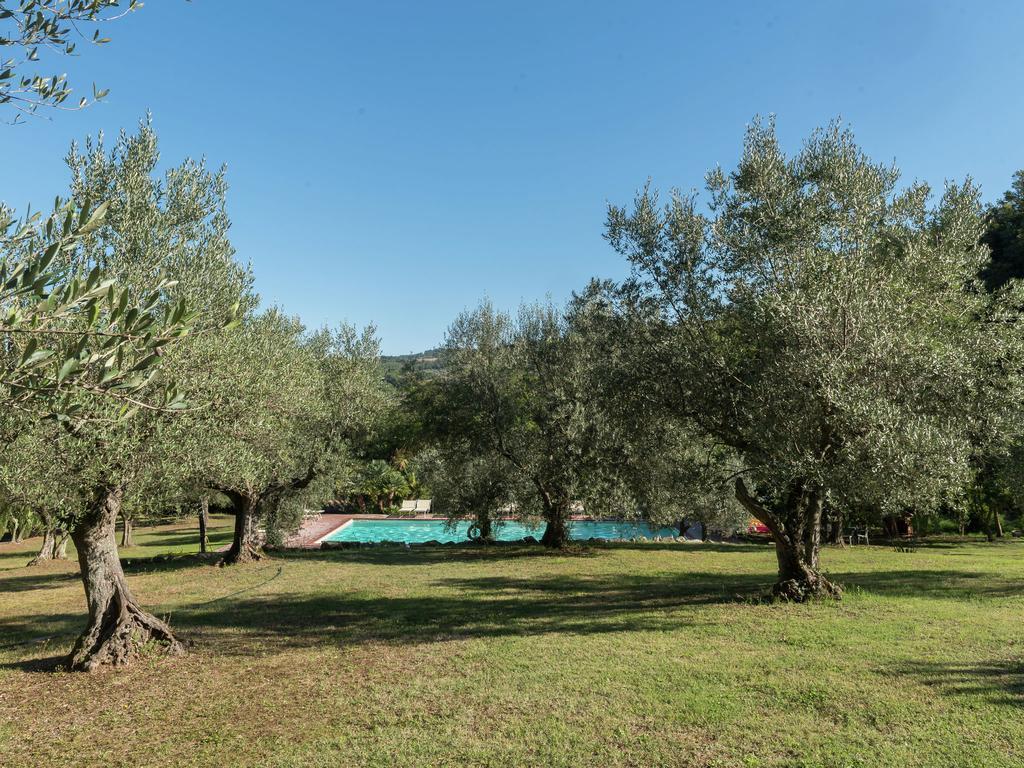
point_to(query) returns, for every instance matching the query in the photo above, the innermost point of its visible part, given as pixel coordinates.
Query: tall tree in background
(999, 483)
(514, 394)
(287, 409)
(1004, 236)
(33, 476)
(828, 329)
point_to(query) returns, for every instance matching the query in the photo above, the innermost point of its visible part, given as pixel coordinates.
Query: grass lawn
(628, 655)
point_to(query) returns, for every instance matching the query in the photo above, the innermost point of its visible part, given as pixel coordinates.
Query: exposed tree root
(120, 635)
(801, 590)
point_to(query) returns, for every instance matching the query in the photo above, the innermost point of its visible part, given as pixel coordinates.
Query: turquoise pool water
(419, 531)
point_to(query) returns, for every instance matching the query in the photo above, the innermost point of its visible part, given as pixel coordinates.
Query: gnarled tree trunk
(55, 541)
(60, 549)
(245, 546)
(556, 532)
(127, 529)
(204, 521)
(796, 531)
(48, 549)
(482, 528)
(118, 627)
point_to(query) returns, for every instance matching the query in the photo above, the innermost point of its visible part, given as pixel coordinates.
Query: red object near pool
(756, 526)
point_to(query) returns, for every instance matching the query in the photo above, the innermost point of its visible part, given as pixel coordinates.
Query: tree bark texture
(127, 529)
(48, 549)
(796, 530)
(204, 521)
(245, 546)
(556, 532)
(119, 630)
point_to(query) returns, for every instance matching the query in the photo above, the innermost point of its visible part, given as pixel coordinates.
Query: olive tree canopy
(827, 325)
(175, 227)
(34, 30)
(512, 414)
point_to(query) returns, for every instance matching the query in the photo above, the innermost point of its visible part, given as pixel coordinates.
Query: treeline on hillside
(400, 368)
(815, 345)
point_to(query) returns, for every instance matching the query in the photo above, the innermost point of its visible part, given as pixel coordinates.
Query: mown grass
(628, 655)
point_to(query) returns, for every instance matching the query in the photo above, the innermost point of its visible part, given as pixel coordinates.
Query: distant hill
(427, 363)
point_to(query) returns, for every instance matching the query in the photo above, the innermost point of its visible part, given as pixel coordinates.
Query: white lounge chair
(422, 506)
(408, 507)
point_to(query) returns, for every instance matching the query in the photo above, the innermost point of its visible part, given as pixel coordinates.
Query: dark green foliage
(1004, 235)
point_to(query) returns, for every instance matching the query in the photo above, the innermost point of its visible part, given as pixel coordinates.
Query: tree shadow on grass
(218, 535)
(502, 605)
(421, 554)
(462, 609)
(16, 555)
(998, 681)
(27, 633)
(247, 621)
(244, 623)
(45, 664)
(36, 577)
(47, 575)
(945, 583)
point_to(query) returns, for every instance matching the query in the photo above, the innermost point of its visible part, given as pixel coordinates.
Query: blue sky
(394, 162)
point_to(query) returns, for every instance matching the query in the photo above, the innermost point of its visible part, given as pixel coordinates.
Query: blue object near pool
(420, 531)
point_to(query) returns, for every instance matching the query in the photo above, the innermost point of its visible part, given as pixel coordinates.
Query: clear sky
(394, 162)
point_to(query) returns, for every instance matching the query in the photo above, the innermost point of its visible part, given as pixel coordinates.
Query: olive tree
(288, 408)
(826, 325)
(65, 335)
(33, 477)
(673, 474)
(514, 393)
(465, 484)
(173, 226)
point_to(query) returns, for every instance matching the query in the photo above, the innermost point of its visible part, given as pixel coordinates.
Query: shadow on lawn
(164, 541)
(947, 584)
(495, 606)
(247, 621)
(420, 554)
(37, 577)
(462, 608)
(1001, 682)
(15, 555)
(61, 573)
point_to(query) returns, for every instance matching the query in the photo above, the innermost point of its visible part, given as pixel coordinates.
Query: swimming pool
(420, 531)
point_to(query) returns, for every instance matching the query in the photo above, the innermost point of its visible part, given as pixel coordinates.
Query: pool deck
(313, 530)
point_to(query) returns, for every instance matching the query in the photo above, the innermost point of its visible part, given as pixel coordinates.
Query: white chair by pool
(408, 507)
(422, 506)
